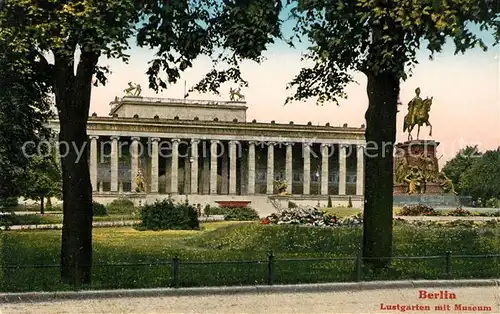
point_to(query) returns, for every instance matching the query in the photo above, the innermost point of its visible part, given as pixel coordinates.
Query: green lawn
(127, 258)
(37, 219)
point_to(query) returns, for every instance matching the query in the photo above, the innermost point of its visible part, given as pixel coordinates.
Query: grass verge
(127, 258)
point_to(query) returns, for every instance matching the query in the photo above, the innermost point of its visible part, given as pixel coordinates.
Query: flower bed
(417, 210)
(313, 217)
(460, 212)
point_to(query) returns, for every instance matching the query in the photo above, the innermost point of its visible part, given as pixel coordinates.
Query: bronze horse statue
(418, 117)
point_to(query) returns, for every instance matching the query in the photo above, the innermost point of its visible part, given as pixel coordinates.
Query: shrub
(417, 210)
(121, 206)
(8, 219)
(329, 205)
(492, 203)
(459, 212)
(166, 214)
(9, 202)
(240, 214)
(211, 210)
(98, 209)
(233, 213)
(292, 204)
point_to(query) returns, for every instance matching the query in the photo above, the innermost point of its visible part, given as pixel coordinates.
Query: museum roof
(226, 128)
(155, 101)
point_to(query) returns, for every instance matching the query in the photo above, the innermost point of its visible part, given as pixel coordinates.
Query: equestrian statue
(418, 114)
(236, 92)
(133, 90)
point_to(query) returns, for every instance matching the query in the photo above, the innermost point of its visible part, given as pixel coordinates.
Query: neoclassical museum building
(152, 148)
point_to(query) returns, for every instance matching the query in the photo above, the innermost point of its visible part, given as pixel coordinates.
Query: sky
(465, 109)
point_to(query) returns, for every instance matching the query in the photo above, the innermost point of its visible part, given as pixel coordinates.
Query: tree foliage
(347, 36)
(24, 108)
(458, 165)
(43, 177)
(481, 179)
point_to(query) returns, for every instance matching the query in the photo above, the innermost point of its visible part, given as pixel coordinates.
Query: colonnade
(212, 163)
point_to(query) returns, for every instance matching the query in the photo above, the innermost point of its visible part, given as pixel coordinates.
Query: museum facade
(158, 147)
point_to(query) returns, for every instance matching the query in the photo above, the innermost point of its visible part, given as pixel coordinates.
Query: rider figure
(414, 106)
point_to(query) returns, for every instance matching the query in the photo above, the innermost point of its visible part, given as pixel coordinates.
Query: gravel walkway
(97, 224)
(370, 301)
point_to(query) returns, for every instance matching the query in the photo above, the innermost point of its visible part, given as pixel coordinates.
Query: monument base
(434, 200)
(416, 162)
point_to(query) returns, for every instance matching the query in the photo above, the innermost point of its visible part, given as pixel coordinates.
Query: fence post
(359, 262)
(270, 262)
(448, 263)
(175, 272)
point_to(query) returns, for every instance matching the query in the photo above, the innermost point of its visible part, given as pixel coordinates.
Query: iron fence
(271, 270)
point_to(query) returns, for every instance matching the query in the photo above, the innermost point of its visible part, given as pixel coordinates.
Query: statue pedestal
(419, 154)
(413, 150)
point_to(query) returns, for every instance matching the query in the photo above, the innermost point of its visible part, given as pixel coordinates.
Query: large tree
(24, 109)
(379, 38)
(63, 40)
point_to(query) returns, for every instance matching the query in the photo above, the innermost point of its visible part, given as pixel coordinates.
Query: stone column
(213, 166)
(270, 168)
(243, 171)
(324, 169)
(134, 162)
(224, 170)
(174, 175)
(114, 163)
(154, 165)
(93, 163)
(232, 167)
(342, 168)
(306, 180)
(206, 175)
(194, 166)
(360, 170)
(251, 168)
(186, 176)
(168, 174)
(289, 168)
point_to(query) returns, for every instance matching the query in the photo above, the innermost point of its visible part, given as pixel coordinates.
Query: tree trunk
(76, 246)
(42, 211)
(73, 102)
(383, 92)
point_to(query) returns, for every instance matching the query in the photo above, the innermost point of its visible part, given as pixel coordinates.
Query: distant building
(152, 147)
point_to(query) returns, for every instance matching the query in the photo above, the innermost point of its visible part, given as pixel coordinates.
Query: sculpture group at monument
(416, 166)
